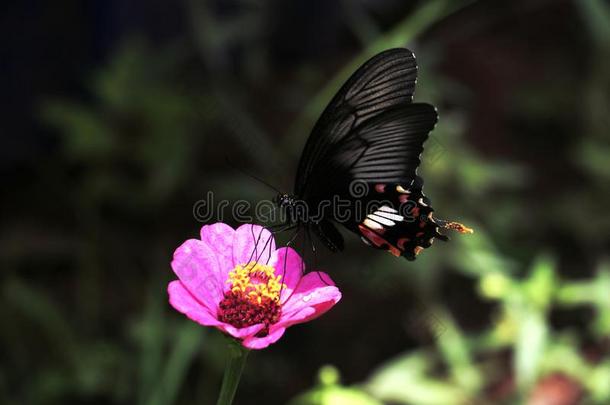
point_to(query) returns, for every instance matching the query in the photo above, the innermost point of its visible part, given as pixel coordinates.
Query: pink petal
(245, 246)
(219, 237)
(290, 266)
(242, 332)
(315, 294)
(298, 316)
(254, 342)
(307, 314)
(196, 265)
(183, 301)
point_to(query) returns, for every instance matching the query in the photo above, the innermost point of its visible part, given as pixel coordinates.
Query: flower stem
(236, 360)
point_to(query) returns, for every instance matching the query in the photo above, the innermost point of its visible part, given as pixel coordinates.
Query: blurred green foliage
(460, 367)
(484, 319)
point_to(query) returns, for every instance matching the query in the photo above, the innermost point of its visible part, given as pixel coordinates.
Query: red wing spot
(403, 198)
(378, 240)
(418, 234)
(371, 236)
(401, 243)
(380, 188)
(422, 224)
(393, 250)
(415, 212)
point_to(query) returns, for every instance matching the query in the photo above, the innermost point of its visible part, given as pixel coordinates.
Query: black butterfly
(364, 150)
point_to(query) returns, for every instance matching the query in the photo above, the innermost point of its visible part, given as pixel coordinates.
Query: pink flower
(236, 281)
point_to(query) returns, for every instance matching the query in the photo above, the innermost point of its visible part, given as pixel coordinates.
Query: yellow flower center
(253, 298)
(256, 281)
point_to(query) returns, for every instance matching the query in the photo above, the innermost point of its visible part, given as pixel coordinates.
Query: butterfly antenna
(251, 175)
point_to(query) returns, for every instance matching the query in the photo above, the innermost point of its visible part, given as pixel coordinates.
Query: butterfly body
(358, 167)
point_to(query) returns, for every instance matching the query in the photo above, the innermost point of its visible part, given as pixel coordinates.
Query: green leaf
(454, 348)
(185, 346)
(330, 392)
(529, 348)
(405, 381)
(598, 385)
(542, 284)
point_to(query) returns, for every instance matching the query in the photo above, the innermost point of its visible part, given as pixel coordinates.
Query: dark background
(117, 116)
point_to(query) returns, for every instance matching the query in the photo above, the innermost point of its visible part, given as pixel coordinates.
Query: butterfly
(359, 164)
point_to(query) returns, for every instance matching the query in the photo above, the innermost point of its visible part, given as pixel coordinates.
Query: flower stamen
(253, 297)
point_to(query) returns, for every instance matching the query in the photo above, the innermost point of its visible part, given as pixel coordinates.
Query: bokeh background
(118, 116)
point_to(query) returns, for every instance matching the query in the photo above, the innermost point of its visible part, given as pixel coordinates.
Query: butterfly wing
(384, 81)
(384, 149)
(372, 135)
(389, 211)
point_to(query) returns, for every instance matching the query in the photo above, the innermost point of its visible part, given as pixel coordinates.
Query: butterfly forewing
(384, 81)
(386, 149)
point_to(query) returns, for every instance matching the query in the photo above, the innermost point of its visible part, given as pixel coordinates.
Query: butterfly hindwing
(398, 219)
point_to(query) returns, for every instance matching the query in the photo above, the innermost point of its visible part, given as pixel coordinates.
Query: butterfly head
(284, 200)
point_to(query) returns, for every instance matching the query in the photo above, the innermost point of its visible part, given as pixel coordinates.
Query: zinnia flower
(236, 281)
